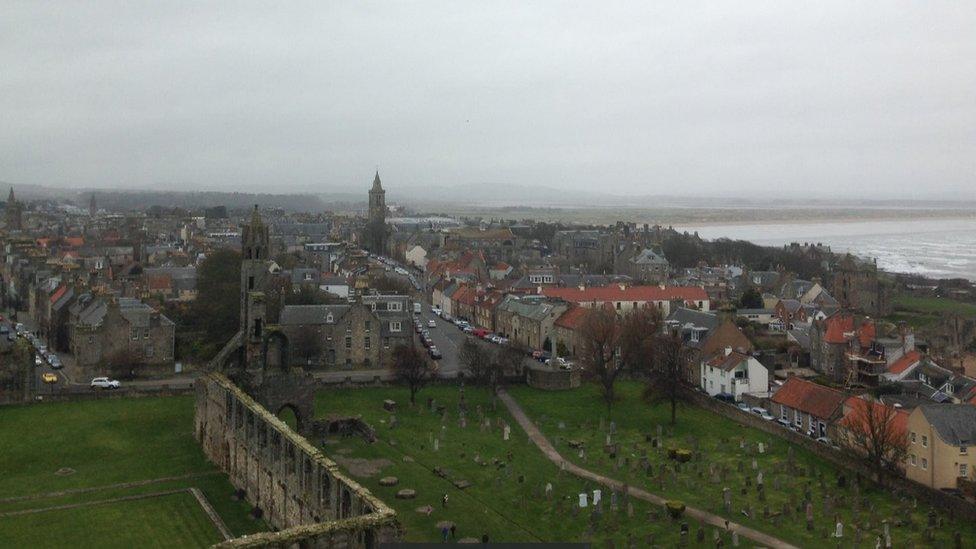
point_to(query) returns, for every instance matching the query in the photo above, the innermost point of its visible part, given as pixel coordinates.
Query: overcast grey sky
(646, 97)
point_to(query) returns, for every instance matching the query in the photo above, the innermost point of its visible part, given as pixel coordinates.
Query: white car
(431, 324)
(104, 383)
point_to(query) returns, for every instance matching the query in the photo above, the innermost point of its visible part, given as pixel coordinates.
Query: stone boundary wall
(300, 491)
(952, 505)
(86, 393)
(551, 379)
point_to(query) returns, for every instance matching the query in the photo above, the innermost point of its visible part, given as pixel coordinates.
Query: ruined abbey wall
(301, 492)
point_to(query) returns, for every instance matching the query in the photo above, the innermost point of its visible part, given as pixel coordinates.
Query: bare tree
(665, 381)
(875, 433)
(638, 334)
(599, 338)
(475, 358)
(411, 368)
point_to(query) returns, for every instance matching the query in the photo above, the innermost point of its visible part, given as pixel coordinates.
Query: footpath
(550, 452)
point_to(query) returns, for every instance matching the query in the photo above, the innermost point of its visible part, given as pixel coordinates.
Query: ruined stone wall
(300, 491)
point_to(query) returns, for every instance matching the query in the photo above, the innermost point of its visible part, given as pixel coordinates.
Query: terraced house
(942, 445)
(108, 329)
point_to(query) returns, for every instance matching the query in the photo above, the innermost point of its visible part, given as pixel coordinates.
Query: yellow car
(48, 377)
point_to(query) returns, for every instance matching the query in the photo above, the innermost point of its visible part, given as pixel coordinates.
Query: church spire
(256, 217)
(11, 199)
(377, 186)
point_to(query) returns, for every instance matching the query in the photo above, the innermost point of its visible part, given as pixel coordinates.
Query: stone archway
(274, 351)
(288, 411)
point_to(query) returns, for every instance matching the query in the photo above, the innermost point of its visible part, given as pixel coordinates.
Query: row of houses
(933, 442)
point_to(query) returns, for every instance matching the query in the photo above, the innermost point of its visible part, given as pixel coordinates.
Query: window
(914, 461)
(925, 441)
(257, 327)
(250, 283)
(395, 326)
(145, 334)
(386, 343)
(963, 470)
(91, 339)
(783, 413)
(394, 306)
(150, 351)
(925, 463)
(134, 332)
(369, 325)
(798, 418)
(366, 343)
(963, 450)
(913, 437)
(348, 342)
(618, 305)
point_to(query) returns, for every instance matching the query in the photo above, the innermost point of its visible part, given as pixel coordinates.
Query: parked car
(55, 362)
(447, 317)
(743, 406)
(38, 360)
(434, 352)
(104, 383)
(431, 323)
(758, 411)
(725, 397)
(784, 423)
(48, 377)
(766, 416)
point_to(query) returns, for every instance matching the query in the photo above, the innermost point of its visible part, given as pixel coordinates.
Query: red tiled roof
(572, 318)
(160, 282)
(837, 326)
(809, 397)
(727, 362)
(857, 416)
(601, 294)
(74, 241)
(904, 362)
(58, 293)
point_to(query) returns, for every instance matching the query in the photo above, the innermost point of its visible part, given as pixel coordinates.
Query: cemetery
(709, 462)
(456, 460)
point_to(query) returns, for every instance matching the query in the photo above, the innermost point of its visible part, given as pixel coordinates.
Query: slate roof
(647, 256)
(955, 424)
(310, 314)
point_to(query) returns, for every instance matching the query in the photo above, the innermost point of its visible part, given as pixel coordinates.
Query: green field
(507, 502)
(576, 416)
(922, 312)
(174, 520)
(80, 453)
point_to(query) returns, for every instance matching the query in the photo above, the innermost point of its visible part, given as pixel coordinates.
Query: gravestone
(809, 517)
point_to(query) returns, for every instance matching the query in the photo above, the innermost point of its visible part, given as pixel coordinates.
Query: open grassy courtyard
(726, 451)
(78, 465)
(506, 498)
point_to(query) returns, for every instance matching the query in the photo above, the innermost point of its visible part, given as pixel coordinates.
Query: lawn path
(550, 452)
(132, 484)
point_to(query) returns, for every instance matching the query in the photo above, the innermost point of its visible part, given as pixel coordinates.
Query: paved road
(550, 451)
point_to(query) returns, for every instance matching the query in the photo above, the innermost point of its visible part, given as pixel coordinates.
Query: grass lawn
(922, 312)
(505, 501)
(576, 415)
(100, 444)
(174, 520)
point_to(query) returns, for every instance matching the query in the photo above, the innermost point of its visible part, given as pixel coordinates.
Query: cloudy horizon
(832, 99)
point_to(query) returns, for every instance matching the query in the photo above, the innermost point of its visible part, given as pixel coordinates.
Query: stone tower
(377, 202)
(92, 206)
(375, 234)
(255, 264)
(15, 213)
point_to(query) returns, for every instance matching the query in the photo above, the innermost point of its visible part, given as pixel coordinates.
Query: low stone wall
(342, 425)
(540, 376)
(300, 491)
(952, 505)
(86, 393)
